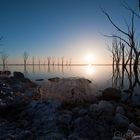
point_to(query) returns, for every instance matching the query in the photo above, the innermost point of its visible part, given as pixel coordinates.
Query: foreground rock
(111, 94)
(5, 73)
(18, 75)
(70, 90)
(49, 118)
(16, 91)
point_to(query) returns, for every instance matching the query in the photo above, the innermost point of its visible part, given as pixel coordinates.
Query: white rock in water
(67, 88)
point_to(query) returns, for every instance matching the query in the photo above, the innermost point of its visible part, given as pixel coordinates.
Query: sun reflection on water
(90, 70)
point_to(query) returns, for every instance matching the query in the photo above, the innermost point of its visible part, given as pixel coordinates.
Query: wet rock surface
(111, 94)
(16, 91)
(49, 119)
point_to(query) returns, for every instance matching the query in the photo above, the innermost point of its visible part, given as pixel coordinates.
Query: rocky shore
(65, 109)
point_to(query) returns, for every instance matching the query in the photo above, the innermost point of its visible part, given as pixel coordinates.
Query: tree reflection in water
(122, 75)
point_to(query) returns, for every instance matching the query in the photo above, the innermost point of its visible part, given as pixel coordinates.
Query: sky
(56, 28)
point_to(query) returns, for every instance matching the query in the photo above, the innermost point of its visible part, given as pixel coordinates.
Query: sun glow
(89, 58)
(90, 70)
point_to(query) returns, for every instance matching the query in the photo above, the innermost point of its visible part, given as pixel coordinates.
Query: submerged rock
(39, 80)
(18, 75)
(55, 79)
(120, 110)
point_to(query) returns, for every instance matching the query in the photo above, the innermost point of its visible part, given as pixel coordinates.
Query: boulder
(93, 108)
(73, 137)
(64, 119)
(111, 94)
(54, 104)
(18, 75)
(82, 112)
(76, 109)
(53, 136)
(135, 99)
(25, 135)
(121, 121)
(102, 111)
(106, 107)
(105, 111)
(134, 128)
(79, 111)
(6, 72)
(120, 110)
(69, 90)
(84, 127)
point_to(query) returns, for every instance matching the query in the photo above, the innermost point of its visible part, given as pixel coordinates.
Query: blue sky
(69, 28)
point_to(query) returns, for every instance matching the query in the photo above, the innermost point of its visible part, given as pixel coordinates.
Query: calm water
(101, 76)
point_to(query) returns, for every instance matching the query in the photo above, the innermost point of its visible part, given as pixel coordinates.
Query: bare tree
(33, 61)
(128, 38)
(44, 62)
(116, 51)
(70, 61)
(25, 58)
(62, 60)
(53, 61)
(4, 58)
(139, 5)
(66, 62)
(58, 61)
(130, 48)
(39, 61)
(48, 60)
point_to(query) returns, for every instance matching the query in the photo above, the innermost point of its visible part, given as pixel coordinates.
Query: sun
(89, 58)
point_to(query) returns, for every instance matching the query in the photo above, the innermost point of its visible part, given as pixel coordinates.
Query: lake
(101, 75)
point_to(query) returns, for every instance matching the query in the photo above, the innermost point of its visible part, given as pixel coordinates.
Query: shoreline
(27, 115)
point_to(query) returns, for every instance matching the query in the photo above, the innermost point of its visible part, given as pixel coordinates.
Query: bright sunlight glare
(90, 70)
(89, 58)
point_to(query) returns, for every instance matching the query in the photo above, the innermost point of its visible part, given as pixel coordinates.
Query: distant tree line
(48, 61)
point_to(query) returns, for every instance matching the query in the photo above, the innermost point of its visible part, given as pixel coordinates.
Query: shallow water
(101, 75)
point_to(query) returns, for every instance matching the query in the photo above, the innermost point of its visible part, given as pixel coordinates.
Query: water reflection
(104, 76)
(45, 71)
(90, 70)
(126, 79)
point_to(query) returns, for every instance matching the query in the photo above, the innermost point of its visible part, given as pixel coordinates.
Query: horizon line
(59, 64)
